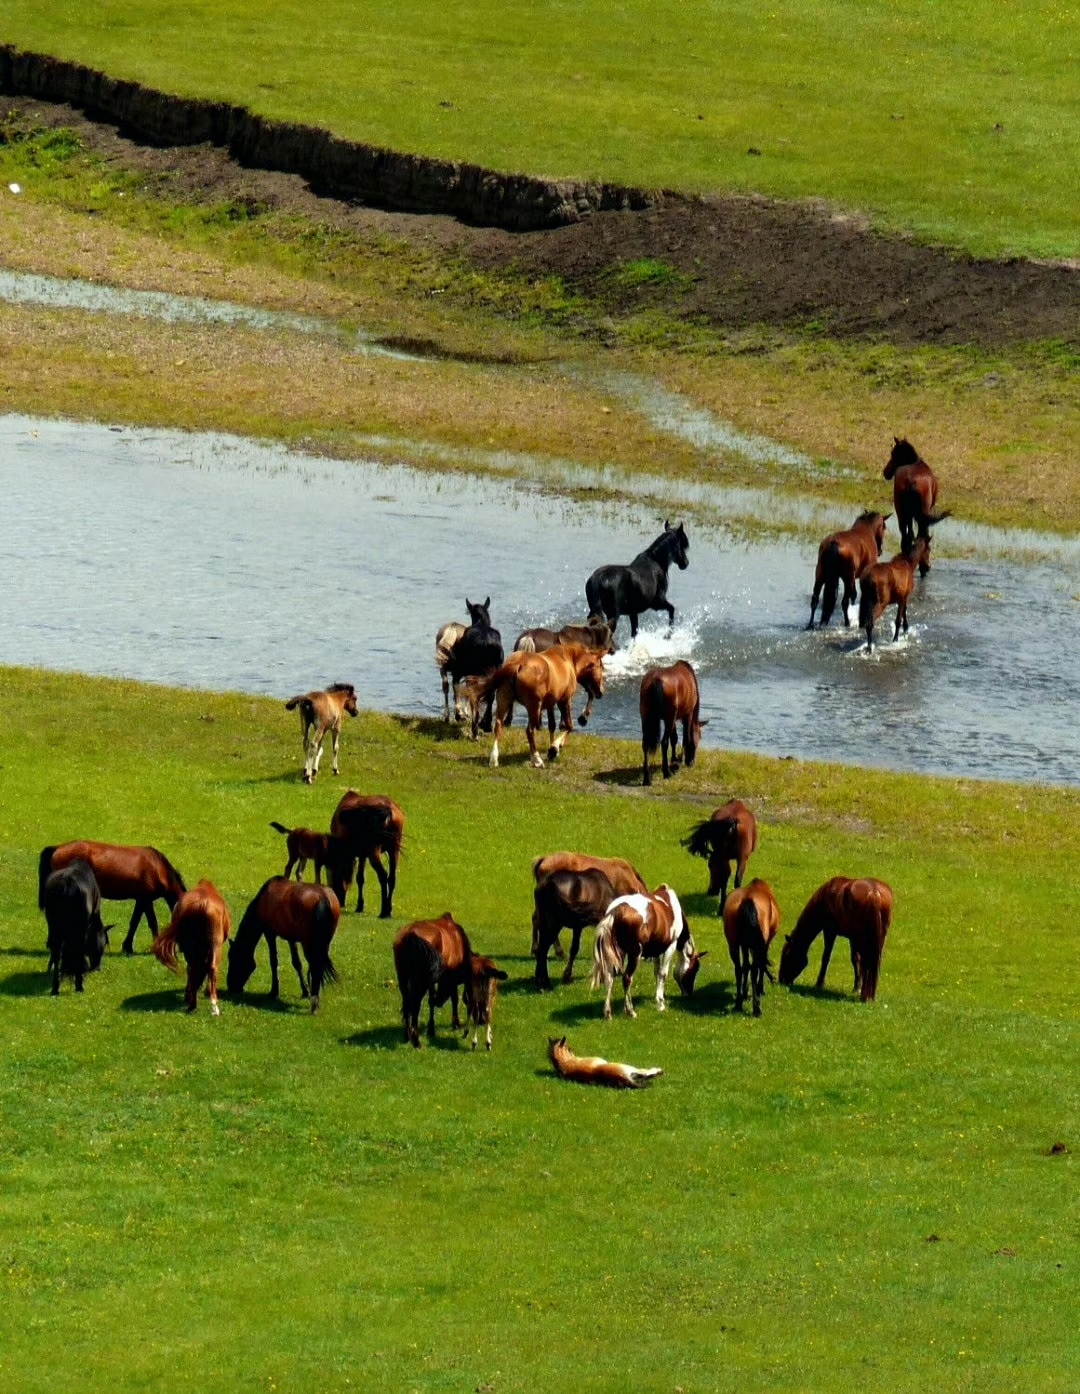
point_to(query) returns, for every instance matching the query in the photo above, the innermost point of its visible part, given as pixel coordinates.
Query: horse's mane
(870, 516)
(341, 687)
(170, 868)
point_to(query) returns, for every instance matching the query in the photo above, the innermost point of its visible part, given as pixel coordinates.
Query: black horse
(629, 590)
(77, 938)
(478, 652)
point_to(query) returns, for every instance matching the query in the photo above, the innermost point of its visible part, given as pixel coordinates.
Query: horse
(369, 826)
(199, 927)
(844, 556)
(595, 633)
(541, 682)
(305, 844)
(122, 873)
(751, 921)
(625, 878)
(305, 916)
(730, 835)
(76, 939)
(630, 590)
(567, 900)
(668, 696)
(594, 1069)
(434, 958)
(856, 909)
(915, 491)
(636, 927)
(476, 653)
(891, 583)
(321, 712)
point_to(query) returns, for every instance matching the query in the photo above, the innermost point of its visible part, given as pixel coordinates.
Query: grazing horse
(76, 940)
(541, 682)
(844, 556)
(595, 633)
(434, 958)
(594, 1069)
(915, 491)
(304, 845)
(623, 876)
(668, 696)
(141, 874)
(199, 927)
(730, 835)
(891, 583)
(321, 712)
(447, 636)
(751, 921)
(636, 927)
(305, 916)
(631, 590)
(476, 653)
(567, 900)
(859, 910)
(370, 826)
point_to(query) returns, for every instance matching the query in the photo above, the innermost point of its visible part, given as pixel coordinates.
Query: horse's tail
(703, 839)
(280, 828)
(873, 948)
(929, 520)
(652, 714)
(419, 967)
(481, 688)
(44, 870)
(526, 644)
(606, 956)
(164, 947)
(830, 571)
(593, 597)
(323, 927)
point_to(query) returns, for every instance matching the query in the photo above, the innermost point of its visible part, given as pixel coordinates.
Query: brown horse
(199, 927)
(668, 696)
(751, 921)
(730, 835)
(321, 712)
(859, 910)
(541, 682)
(141, 874)
(595, 633)
(305, 916)
(844, 556)
(636, 927)
(915, 491)
(625, 878)
(434, 958)
(370, 826)
(891, 583)
(594, 1069)
(303, 845)
(567, 900)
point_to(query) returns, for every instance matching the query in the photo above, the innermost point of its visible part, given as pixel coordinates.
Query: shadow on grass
(432, 728)
(26, 984)
(624, 778)
(393, 1038)
(263, 1002)
(167, 1000)
(708, 999)
(293, 775)
(699, 903)
(833, 994)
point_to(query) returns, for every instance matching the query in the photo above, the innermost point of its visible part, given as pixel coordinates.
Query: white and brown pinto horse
(541, 682)
(321, 712)
(642, 926)
(447, 636)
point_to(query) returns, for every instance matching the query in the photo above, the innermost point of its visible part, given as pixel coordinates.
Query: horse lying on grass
(594, 1069)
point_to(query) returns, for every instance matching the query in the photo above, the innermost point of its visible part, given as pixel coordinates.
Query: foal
(305, 844)
(891, 583)
(321, 712)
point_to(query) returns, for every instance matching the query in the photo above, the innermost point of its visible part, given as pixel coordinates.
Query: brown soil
(737, 262)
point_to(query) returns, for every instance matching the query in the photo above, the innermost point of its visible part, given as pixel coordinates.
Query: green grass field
(955, 122)
(835, 1196)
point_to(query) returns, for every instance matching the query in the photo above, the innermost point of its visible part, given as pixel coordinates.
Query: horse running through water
(669, 696)
(856, 909)
(730, 835)
(199, 926)
(844, 556)
(642, 926)
(541, 682)
(434, 958)
(305, 917)
(567, 900)
(595, 633)
(915, 491)
(631, 590)
(475, 654)
(142, 874)
(751, 922)
(303, 845)
(447, 636)
(369, 827)
(594, 1069)
(891, 583)
(321, 712)
(76, 938)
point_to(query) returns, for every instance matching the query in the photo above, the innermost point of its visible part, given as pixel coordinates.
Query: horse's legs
(663, 963)
(335, 736)
(670, 614)
(271, 949)
(140, 909)
(211, 980)
(607, 999)
(55, 965)
(630, 968)
(78, 982)
(431, 1014)
(829, 936)
(191, 991)
(856, 963)
(309, 750)
(384, 882)
(668, 730)
(646, 777)
(446, 694)
(566, 725)
(294, 953)
(504, 710)
(318, 756)
(849, 596)
(533, 717)
(901, 614)
(818, 579)
(360, 868)
(575, 944)
(455, 1020)
(633, 625)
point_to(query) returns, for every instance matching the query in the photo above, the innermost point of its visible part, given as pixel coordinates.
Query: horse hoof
(568, 977)
(215, 1010)
(553, 753)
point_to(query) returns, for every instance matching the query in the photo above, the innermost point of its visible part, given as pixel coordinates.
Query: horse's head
(479, 614)
(919, 553)
(793, 959)
(603, 636)
(97, 939)
(903, 453)
(590, 672)
(241, 966)
(693, 732)
(679, 544)
(876, 523)
(174, 885)
(686, 972)
(480, 989)
(347, 692)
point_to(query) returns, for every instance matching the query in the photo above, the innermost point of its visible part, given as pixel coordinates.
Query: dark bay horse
(915, 491)
(730, 835)
(642, 926)
(631, 590)
(891, 583)
(624, 877)
(321, 712)
(844, 556)
(369, 827)
(141, 874)
(305, 916)
(859, 910)
(542, 682)
(669, 696)
(199, 926)
(751, 922)
(76, 938)
(434, 958)
(567, 900)
(476, 653)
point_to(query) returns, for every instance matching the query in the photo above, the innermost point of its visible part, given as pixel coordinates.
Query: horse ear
(885, 517)
(703, 954)
(667, 525)
(468, 603)
(487, 602)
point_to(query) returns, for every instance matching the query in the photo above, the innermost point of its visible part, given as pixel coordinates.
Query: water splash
(656, 647)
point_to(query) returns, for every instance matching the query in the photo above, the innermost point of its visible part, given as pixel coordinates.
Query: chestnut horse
(844, 556)
(321, 712)
(305, 916)
(730, 835)
(434, 958)
(541, 682)
(668, 696)
(141, 874)
(369, 826)
(751, 921)
(859, 910)
(303, 845)
(594, 1069)
(199, 927)
(915, 491)
(891, 583)
(636, 927)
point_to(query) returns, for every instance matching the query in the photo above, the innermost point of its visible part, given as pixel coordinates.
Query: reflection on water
(212, 561)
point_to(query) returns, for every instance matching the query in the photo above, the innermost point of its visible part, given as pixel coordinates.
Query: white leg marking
(493, 758)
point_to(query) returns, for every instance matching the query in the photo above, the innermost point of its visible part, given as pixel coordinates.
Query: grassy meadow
(835, 1196)
(955, 122)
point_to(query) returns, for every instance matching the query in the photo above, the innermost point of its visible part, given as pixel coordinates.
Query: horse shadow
(700, 903)
(834, 994)
(624, 778)
(26, 984)
(709, 999)
(263, 1002)
(575, 1012)
(289, 776)
(16, 952)
(432, 728)
(377, 1038)
(166, 1000)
